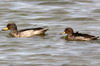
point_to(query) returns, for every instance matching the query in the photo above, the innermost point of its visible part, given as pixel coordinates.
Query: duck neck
(14, 32)
(70, 36)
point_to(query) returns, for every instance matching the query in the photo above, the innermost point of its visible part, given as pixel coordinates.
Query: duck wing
(85, 35)
(35, 29)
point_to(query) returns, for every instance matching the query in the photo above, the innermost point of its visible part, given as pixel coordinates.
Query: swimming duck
(77, 36)
(25, 32)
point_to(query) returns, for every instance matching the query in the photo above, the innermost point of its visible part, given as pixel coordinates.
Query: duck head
(10, 26)
(68, 31)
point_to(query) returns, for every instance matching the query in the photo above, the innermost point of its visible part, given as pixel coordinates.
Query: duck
(76, 36)
(29, 32)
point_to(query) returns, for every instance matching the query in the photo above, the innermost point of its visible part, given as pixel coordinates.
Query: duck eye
(8, 25)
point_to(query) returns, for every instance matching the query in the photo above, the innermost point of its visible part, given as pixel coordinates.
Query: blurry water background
(50, 50)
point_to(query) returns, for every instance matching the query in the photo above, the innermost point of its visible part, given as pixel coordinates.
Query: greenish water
(50, 50)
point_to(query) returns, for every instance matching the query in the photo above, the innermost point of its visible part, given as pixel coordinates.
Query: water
(50, 50)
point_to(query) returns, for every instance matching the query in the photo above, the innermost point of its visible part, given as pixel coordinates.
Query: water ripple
(51, 49)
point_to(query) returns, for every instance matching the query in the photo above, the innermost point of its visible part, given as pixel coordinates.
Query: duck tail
(44, 30)
(95, 38)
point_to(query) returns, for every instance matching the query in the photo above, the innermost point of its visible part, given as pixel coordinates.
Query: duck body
(78, 36)
(25, 32)
(28, 32)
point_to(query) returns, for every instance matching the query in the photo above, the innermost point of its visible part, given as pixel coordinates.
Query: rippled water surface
(50, 50)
